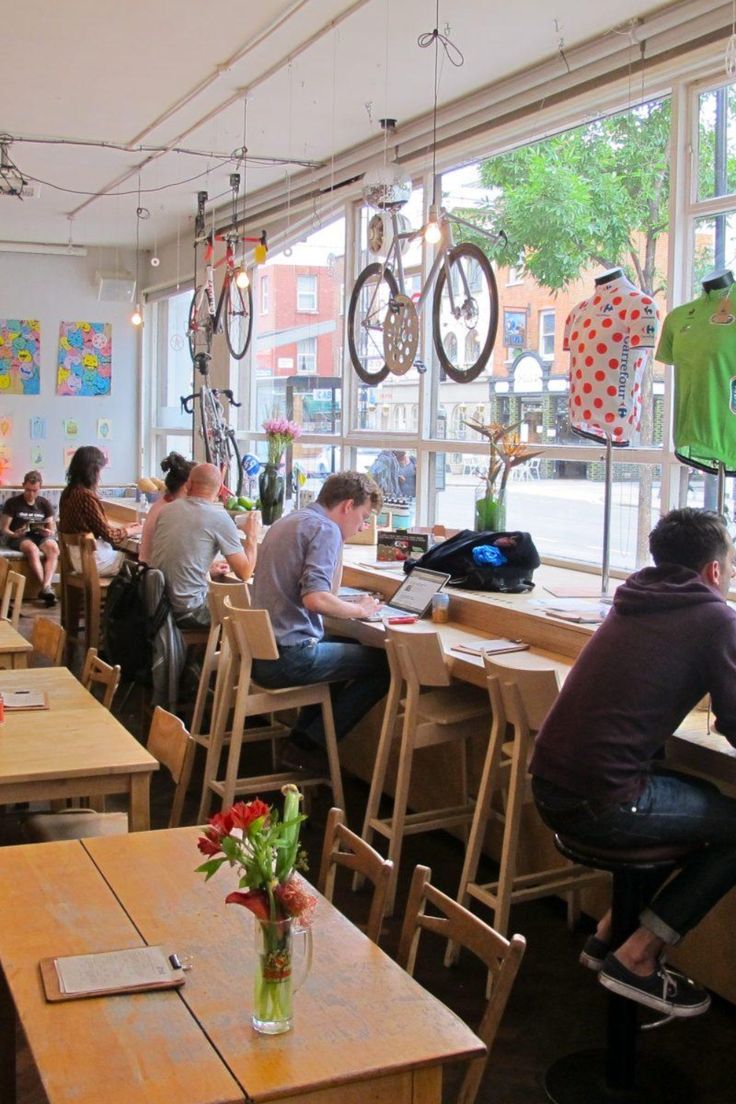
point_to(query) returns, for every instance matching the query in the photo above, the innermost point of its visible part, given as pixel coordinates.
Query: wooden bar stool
(521, 698)
(436, 710)
(216, 595)
(83, 590)
(249, 636)
(615, 1075)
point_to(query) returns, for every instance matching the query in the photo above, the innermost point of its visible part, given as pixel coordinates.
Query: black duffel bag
(455, 556)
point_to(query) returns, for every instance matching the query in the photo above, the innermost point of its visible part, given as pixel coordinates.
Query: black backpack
(455, 556)
(127, 631)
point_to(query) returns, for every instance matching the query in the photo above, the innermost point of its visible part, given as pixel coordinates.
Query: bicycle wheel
(369, 301)
(465, 313)
(211, 427)
(199, 329)
(232, 476)
(238, 318)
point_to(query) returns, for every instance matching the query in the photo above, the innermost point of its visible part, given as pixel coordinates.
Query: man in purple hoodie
(669, 639)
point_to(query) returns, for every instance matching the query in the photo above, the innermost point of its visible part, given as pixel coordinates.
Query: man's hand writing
(367, 606)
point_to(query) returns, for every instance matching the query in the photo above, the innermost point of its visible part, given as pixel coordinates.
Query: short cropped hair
(347, 485)
(691, 538)
(33, 477)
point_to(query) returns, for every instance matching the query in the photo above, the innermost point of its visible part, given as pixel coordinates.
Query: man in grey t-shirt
(189, 534)
(298, 572)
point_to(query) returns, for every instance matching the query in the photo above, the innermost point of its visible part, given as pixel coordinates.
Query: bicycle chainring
(400, 334)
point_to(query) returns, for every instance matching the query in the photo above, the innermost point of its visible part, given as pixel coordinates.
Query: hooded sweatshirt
(668, 640)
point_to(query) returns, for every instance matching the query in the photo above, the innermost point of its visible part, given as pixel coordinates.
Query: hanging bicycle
(220, 445)
(383, 321)
(232, 311)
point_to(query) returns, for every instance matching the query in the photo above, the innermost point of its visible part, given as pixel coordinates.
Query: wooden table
(14, 648)
(364, 1030)
(76, 748)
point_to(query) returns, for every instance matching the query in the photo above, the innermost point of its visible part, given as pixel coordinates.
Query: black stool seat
(613, 1075)
(615, 858)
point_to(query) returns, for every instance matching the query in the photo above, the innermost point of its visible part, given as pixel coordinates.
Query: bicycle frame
(445, 244)
(216, 310)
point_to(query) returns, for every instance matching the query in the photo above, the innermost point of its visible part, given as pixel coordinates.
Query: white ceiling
(168, 73)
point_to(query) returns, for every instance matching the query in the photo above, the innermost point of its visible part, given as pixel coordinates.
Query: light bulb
(432, 232)
(136, 317)
(241, 278)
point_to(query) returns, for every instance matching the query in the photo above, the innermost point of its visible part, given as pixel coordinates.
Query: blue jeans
(672, 809)
(360, 675)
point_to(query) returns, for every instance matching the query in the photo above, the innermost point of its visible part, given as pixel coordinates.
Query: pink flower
(294, 899)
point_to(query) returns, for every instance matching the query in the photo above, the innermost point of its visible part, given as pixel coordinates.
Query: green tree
(596, 196)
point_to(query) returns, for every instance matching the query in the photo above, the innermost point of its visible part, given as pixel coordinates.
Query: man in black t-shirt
(29, 526)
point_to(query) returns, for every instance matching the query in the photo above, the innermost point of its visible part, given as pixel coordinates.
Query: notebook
(25, 699)
(489, 647)
(414, 596)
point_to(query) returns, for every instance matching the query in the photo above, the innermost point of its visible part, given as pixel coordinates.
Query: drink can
(441, 609)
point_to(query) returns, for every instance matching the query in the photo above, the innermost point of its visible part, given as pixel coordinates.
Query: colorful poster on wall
(20, 360)
(36, 456)
(6, 426)
(84, 362)
(71, 428)
(38, 429)
(104, 429)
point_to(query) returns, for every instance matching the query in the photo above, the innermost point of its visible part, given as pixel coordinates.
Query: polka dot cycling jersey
(609, 338)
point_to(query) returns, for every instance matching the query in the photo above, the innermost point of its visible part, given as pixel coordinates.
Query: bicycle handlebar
(188, 400)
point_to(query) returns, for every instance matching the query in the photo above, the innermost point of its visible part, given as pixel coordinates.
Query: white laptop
(414, 596)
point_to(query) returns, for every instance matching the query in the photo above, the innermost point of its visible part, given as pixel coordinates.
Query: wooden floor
(556, 1007)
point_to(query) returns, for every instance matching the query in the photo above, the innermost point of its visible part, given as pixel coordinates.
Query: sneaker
(593, 953)
(664, 990)
(304, 757)
(49, 597)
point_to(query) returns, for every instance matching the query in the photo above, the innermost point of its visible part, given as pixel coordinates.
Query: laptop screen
(417, 590)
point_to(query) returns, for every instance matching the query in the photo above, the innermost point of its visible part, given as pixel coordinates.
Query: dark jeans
(673, 808)
(360, 674)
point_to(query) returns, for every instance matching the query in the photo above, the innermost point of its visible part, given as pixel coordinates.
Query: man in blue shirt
(299, 566)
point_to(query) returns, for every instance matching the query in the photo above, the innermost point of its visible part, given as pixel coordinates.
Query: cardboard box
(398, 545)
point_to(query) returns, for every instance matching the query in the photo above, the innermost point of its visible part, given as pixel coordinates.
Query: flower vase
(490, 510)
(271, 493)
(274, 983)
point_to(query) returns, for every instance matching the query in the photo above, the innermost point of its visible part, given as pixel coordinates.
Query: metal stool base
(580, 1079)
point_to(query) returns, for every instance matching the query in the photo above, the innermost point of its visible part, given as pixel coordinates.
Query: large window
(573, 205)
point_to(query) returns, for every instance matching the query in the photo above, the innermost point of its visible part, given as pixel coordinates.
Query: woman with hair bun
(177, 469)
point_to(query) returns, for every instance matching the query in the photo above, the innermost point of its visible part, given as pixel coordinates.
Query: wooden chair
(168, 741)
(98, 673)
(344, 848)
(4, 569)
(83, 591)
(49, 641)
(501, 957)
(520, 697)
(448, 712)
(249, 636)
(240, 599)
(15, 584)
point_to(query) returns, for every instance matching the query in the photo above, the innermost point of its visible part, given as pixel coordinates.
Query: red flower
(294, 899)
(221, 824)
(255, 899)
(245, 814)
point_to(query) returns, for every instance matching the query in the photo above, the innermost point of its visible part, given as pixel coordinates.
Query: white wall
(55, 289)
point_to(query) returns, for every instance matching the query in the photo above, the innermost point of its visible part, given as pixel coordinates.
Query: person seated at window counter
(29, 526)
(177, 469)
(299, 569)
(669, 639)
(189, 533)
(81, 511)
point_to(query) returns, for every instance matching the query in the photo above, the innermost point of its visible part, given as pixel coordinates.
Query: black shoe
(593, 953)
(49, 598)
(305, 757)
(663, 990)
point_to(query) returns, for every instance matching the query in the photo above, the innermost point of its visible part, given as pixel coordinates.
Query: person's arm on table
(722, 680)
(328, 604)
